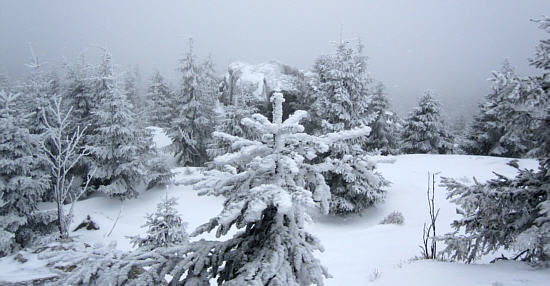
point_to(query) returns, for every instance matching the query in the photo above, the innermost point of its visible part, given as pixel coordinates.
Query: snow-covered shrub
(82, 264)
(394, 217)
(424, 130)
(165, 227)
(510, 213)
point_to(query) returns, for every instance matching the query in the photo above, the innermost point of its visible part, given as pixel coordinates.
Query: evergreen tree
(267, 184)
(79, 93)
(162, 98)
(424, 130)
(165, 227)
(491, 220)
(513, 213)
(116, 144)
(22, 179)
(383, 136)
(505, 125)
(191, 130)
(342, 100)
(36, 93)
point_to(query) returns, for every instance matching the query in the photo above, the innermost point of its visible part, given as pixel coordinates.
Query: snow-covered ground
(358, 251)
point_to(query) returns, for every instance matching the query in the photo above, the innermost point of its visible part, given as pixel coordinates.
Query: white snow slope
(358, 251)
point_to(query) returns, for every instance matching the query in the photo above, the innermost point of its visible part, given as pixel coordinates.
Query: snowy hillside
(356, 249)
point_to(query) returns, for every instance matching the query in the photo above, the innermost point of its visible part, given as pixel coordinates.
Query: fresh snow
(358, 250)
(272, 73)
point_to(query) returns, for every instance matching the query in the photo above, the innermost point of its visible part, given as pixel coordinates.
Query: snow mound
(263, 77)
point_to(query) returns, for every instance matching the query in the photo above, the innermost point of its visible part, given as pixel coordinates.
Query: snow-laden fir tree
(78, 92)
(384, 136)
(513, 213)
(165, 227)
(36, 93)
(424, 130)
(191, 130)
(162, 99)
(116, 144)
(267, 184)
(228, 120)
(341, 102)
(22, 179)
(507, 121)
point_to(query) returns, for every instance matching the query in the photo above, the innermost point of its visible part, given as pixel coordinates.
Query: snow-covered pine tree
(424, 130)
(341, 102)
(505, 125)
(267, 184)
(384, 135)
(78, 92)
(513, 213)
(491, 220)
(191, 130)
(36, 93)
(165, 227)
(163, 99)
(228, 120)
(22, 179)
(116, 144)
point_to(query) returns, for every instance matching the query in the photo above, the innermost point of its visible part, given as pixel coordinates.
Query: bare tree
(429, 242)
(62, 154)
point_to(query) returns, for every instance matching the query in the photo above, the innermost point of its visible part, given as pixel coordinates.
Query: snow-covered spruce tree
(268, 183)
(424, 130)
(22, 179)
(116, 144)
(36, 92)
(510, 213)
(191, 130)
(507, 120)
(228, 120)
(384, 135)
(165, 227)
(342, 100)
(162, 98)
(78, 92)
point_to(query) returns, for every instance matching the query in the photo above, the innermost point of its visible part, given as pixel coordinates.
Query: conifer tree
(191, 130)
(424, 130)
(513, 213)
(162, 98)
(22, 179)
(342, 99)
(384, 134)
(505, 125)
(267, 184)
(116, 144)
(165, 227)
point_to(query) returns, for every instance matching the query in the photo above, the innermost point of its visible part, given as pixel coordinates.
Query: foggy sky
(449, 47)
